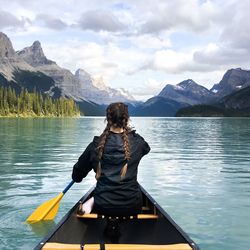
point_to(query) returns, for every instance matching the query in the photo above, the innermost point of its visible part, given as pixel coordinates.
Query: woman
(115, 157)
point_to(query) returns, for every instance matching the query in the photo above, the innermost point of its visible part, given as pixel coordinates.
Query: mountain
(17, 73)
(174, 97)
(64, 80)
(227, 98)
(235, 104)
(28, 68)
(34, 55)
(31, 69)
(9, 62)
(95, 90)
(188, 92)
(81, 86)
(6, 49)
(233, 80)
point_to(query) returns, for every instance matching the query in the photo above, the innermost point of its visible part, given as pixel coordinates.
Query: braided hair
(117, 116)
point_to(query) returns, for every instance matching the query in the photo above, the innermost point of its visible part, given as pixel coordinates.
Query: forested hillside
(34, 104)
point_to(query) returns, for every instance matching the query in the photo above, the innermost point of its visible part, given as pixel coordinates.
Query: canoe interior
(160, 231)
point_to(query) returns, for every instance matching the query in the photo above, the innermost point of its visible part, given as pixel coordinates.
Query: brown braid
(126, 150)
(100, 148)
(117, 116)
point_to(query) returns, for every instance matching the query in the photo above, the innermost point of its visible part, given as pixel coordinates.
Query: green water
(198, 170)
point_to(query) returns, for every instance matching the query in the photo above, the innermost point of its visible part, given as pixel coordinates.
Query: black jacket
(111, 191)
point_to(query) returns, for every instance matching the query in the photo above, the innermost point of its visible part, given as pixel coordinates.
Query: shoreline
(38, 116)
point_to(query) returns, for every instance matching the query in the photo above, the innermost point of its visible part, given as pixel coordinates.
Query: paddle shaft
(68, 187)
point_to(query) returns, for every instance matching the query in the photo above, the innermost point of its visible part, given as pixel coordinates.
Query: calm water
(198, 170)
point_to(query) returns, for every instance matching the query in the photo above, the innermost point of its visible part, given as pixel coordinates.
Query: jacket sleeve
(145, 148)
(83, 165)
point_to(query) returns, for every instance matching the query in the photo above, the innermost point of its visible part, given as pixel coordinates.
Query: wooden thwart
(57, 246)
(139, 216)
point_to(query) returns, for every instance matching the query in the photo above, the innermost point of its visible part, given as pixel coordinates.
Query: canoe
(152, 229)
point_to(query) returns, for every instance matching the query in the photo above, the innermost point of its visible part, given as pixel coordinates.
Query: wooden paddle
(48, 210)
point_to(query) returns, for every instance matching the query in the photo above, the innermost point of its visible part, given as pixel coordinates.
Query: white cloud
(168, 61)
(100, 20)
(107, 60)
(236, 34)
(182, 14)
(219, 55)
(51, 22)
(151, 87)
(8, 20)
(126, 40)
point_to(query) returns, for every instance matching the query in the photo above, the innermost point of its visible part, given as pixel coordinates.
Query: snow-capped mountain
(95, 90)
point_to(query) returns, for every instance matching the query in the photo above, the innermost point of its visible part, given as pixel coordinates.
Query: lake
(198, 170)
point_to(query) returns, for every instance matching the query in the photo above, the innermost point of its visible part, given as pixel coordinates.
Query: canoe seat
(57, 246)
(138, 216)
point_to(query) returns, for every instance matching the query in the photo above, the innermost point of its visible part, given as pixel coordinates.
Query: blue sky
(138, 45)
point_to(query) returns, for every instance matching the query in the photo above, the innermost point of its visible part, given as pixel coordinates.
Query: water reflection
(41, 229)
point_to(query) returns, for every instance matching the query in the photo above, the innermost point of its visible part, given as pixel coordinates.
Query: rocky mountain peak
(6, 49)
(81, 73)
(34, 55)
(187, 91)
(233, 80)
(187, 84)
(37, 44)
(37, 50)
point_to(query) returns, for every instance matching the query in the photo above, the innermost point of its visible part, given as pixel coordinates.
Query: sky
(138, 45)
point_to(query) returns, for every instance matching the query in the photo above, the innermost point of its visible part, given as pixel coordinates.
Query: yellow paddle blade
(46, 211)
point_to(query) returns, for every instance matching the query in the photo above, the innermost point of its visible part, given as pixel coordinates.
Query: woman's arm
(144, 147)
(83, 165)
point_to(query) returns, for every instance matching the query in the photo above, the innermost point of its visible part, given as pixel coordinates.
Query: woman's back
(113, 191)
